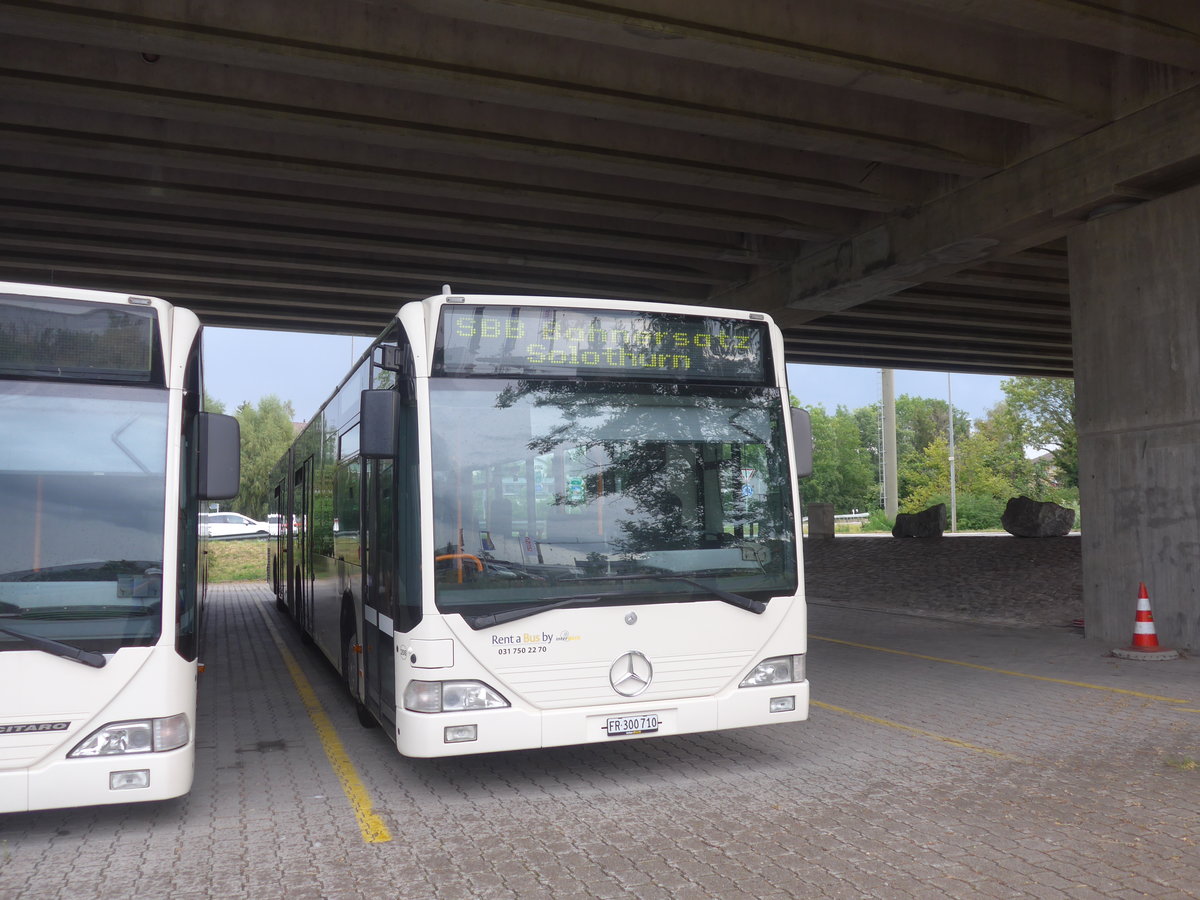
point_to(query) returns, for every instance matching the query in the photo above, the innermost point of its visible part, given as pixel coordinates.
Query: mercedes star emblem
(631, 674)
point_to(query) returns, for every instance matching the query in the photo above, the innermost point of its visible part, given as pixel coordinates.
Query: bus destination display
(541, 341)
(57, 338)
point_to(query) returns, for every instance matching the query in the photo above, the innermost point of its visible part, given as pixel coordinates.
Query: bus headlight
(450, 696)
(776, 670)
(140, 736)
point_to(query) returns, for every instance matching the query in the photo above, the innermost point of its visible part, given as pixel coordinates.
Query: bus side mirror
(803, 441)
(378, 416)
(220, 456)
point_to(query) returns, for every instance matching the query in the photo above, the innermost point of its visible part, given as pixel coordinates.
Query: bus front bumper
(487, 731)
(87, 782)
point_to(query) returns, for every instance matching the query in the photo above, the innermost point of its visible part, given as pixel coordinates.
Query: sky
(243, 365)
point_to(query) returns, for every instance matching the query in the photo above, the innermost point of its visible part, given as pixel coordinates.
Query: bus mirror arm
(802, 440)
(220, 456)
(379, 414)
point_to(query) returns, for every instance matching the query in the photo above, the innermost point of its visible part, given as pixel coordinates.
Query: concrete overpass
(1005, 186)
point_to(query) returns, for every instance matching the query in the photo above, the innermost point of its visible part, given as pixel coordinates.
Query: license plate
(618, 726)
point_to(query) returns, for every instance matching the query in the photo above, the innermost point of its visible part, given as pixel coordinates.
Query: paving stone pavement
(914, 778)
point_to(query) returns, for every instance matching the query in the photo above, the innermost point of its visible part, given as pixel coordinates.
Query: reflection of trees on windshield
(544, 481)
(686, 492)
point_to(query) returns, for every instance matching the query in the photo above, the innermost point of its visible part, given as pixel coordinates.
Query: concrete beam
(196, 46)
(103, 227)
(1031, 203)
(478, 221)
(1166, 32)
(740, 169)
(384, 179)
(902, 55)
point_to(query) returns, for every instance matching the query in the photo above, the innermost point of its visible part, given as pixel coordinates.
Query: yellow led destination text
(552, 343)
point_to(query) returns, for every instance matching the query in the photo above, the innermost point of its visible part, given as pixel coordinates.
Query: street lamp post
(953, 495)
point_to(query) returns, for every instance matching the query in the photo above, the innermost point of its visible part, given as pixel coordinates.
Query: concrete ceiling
(893, 181)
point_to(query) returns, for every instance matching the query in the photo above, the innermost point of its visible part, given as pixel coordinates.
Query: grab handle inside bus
(220, 456)
(802, 441)
(377, 424)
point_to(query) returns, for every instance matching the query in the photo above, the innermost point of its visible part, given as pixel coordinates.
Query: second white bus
(105, 456)
(524, 522)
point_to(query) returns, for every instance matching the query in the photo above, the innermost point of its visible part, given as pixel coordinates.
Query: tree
(990, 462)
(922, 420)
(266, 435)
(982, 487)
(212, 404)
(997, 442)
(1045, 409)
(843, 471)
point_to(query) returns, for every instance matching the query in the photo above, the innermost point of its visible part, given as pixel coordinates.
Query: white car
(274, 524)
(230, 524)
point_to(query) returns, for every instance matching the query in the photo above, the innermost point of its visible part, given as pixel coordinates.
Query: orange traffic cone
(1145, 638)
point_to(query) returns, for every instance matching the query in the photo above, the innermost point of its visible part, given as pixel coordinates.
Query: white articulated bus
(525, 522)
(105, 455)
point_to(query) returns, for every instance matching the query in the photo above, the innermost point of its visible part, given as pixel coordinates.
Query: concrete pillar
(820, 520)
(1135, 309)
(891, 465)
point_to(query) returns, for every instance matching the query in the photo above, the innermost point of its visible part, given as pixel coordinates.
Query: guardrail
(846, 517)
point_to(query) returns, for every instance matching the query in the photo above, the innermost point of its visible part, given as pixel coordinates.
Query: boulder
(927, 523)
(1032, 518)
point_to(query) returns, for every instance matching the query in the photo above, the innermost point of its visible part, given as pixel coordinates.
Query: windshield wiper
(58, 648)
(511, 615)
(746, 603)
(757, 607)
(92, 611)
(487, 621)
(92, 570)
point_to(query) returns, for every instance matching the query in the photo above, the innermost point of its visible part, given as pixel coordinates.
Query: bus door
(276, 511)
(380, 570)
(301, 560)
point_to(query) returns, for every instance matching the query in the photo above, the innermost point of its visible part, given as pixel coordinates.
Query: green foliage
(1044, 409)
(266, 434)
(990, 462)
(921, 420)
(877, 520)
(843, 471)
(244, 560)
(973, 512)
(212, 404)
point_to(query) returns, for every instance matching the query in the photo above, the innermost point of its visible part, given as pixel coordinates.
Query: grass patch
(1184, 763)
(244, 560)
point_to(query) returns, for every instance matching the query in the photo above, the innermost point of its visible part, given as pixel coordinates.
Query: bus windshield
(82, 495)
(607, 491)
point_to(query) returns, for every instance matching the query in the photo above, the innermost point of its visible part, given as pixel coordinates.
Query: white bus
(105, 456)
(525, 522)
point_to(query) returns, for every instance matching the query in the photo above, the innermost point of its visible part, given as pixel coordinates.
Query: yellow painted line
(374, 831)
(959, 662)
(911, 730)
